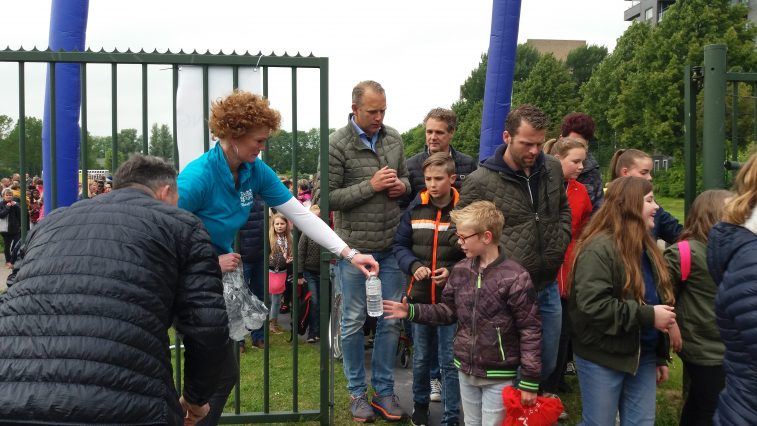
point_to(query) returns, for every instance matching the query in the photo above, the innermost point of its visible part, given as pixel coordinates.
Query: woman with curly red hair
(220, 186)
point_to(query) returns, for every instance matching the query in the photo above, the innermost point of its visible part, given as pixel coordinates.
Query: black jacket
(537, 215)
(464, 165)
(83, 332)
(591, 178)
(666, 227)
(13, 214)
(732, 261)
(253, 233)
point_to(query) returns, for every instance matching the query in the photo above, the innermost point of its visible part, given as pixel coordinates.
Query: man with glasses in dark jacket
(84, 329)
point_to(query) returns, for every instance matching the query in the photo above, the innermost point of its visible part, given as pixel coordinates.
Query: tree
(637, 91)
(9, 161)
(526, 57)
(550, 87)
(583, 61)
(161, 142)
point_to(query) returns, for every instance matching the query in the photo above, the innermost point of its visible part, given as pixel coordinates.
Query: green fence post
(295, 242)
(83, 146)
(690, 137)
(114, 117)
(324, 202)
(145, 142)
(713, 145)
(53, 185)
(22, 142)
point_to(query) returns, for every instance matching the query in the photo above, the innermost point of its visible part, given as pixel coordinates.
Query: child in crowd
(571, 153)
(304, 194)
(493, 301)
(279, 265)
(10, 223)
(34, 205)
(309, 271)
(701, 348)
(619, 306)
(632, 162)
(423, 250)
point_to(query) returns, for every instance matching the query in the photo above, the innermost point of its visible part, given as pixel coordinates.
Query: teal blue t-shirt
(206, 188)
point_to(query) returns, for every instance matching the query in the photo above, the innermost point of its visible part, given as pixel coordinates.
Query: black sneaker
(388, 407)
(420, 415)
(361, 410)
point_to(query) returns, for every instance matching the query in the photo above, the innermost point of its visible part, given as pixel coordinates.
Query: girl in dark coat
(732, 261)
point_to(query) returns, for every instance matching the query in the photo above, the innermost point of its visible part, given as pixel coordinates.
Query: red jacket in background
(580, 209)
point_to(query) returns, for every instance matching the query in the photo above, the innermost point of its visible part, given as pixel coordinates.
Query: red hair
(580, 123)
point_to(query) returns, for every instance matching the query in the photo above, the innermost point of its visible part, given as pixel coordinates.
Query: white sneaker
(436, 391)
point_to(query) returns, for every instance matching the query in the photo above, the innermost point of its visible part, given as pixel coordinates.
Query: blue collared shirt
(369, 142)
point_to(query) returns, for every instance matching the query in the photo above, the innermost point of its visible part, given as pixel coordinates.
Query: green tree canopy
(583, 61)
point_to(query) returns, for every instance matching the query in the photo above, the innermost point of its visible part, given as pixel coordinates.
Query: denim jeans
(353, 317)
(423, 340)
(550, 310)
(605, 392)
(253, 275)
(314, 285)
(482, 404)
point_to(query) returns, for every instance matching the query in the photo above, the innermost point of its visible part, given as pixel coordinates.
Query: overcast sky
(421, 51)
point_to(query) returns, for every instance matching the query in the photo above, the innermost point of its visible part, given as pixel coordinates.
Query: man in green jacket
(527, 186)
(367, 177)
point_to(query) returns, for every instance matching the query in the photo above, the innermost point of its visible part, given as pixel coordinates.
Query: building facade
(652, 11)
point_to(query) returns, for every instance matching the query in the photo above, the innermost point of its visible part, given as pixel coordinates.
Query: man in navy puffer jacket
(83, 331)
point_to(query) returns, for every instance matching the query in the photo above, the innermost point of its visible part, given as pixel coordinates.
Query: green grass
(673, 206)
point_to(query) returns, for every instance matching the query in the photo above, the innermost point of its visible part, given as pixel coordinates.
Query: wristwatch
(351, 255)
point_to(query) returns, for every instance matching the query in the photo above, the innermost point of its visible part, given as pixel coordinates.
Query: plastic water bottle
(373, 296)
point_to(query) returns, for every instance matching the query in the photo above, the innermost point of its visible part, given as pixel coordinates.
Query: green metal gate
(207, 60)
(713, 78)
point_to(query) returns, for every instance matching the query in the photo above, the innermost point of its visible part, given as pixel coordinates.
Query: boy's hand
(662, 373)
(422, 273)
(440, 276)
(527, 399)
(395, 310)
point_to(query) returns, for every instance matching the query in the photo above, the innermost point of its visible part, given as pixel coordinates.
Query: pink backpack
(685, 251)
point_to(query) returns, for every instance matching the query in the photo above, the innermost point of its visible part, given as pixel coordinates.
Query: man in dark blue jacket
(251, 238)
(83, 331)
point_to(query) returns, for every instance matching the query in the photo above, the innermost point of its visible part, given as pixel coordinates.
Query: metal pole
(22, 143)
(326, 359)
(713, 146)
(145, 143)
(53, 185)
(175, 91)
(295, 241)
(266, 296)
(83, 146)
(735, 121)
(205, 103)
(690, 138)
(114, 117)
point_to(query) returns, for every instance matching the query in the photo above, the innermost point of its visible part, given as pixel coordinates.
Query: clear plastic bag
(245, 311)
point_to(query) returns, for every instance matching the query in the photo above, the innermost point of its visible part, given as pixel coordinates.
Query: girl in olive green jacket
(619, 308)
(698, 343)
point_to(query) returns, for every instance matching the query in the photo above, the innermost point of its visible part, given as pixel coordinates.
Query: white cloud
(421, 51)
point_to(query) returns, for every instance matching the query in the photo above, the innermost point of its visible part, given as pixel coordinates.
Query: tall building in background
(652, 11)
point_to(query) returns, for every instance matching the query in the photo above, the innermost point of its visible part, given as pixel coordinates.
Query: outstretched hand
(395, 310)
(193, 413)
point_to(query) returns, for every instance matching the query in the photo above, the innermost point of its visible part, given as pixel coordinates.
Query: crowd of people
(503, 271)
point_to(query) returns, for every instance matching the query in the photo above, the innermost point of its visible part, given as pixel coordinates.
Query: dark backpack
(303, 311)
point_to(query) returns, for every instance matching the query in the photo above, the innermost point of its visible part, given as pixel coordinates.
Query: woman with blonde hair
(620, 308)
(732, 261)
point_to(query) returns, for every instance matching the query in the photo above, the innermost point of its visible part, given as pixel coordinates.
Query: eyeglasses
(463, 238)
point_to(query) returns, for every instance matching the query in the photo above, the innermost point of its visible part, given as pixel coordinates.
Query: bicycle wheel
(335, 327)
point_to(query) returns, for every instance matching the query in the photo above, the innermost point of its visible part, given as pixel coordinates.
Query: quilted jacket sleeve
(471, 191)
(521, 300)
(201, 317)
(340, 197)
(403, 246)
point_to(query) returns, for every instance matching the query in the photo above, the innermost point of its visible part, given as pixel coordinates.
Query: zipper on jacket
(473, 320)
(434, 248)
(499, 339)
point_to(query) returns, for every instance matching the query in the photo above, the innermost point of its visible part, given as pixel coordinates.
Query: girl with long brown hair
(619, 308)
(732, 261)
(698, 343)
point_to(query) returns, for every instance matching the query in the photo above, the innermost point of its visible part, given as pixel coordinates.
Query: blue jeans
(314, 285)
(605, 392)
(550, 310)
(253, 274)
(353, 317)
(482, 404)
(424, 338)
